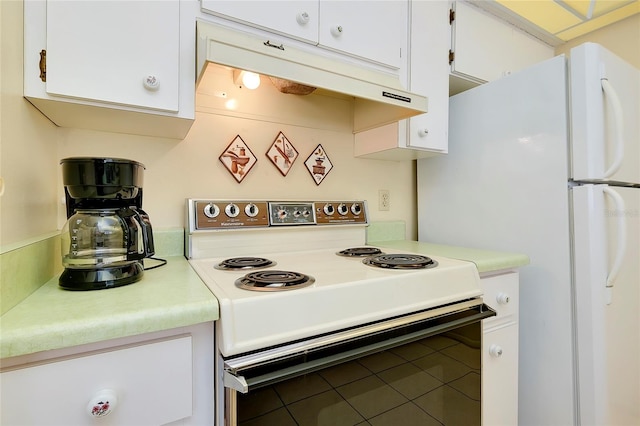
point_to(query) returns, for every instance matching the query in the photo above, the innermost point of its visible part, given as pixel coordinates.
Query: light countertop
(485, 260)
(168, 297)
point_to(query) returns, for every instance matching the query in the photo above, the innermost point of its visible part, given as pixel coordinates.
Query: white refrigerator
(546, 162)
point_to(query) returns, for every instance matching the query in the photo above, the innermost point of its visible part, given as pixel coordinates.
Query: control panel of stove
(225, 214)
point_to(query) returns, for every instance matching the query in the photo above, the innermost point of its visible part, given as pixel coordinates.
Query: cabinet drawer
(152, 384)
(501, 294)
(500, 376)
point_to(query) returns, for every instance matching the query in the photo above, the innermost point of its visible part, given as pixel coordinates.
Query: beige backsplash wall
(176, 170)
(190, 168)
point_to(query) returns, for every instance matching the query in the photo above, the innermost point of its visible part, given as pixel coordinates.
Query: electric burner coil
(400, 261)
(274, 280)
(244, 263)
(359, 252)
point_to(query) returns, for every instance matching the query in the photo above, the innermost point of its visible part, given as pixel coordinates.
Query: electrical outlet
(384, 200)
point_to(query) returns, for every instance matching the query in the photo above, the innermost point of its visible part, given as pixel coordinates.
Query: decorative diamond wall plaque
(282, 154)
(318, 164)
(238, 158)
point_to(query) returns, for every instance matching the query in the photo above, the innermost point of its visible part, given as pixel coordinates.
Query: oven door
(423, 368)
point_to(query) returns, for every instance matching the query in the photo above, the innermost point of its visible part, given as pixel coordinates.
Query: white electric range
(294, 278)
(345, 291)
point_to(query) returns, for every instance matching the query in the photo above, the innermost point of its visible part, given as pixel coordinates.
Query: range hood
(379, 98)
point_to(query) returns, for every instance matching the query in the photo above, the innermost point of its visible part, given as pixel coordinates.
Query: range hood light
(247, 79)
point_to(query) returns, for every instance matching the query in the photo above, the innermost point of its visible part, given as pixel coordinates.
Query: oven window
(433, 381)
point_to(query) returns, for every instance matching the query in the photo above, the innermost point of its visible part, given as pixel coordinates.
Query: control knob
(232, 210)
(282, 213)
(251, 210)
(356, 209)
(328, 209)
(211, 210)
(343, 209)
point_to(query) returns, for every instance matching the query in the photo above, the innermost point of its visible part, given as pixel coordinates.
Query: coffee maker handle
(139, 229)
(147, 233)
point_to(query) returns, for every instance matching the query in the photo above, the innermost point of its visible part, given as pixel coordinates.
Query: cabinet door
(295, 18)
(487, 48)
(115, 51)
(373, 30)
(500, 376)
(149, 384)
(429, 74)
(481, 44)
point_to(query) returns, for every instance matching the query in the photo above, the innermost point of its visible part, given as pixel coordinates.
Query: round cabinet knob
(103, 403)
(356, 209)
(502, 298)
(423, 133)
(336, 30)
(302, 18)
(495, 350)
(251, 210)
(328, 209)
(211, 210)
(232, 210)
(151, 82)
(343, 209)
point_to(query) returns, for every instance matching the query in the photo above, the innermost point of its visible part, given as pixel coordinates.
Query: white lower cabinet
(500, 350)
(149, 382)
(500, 376)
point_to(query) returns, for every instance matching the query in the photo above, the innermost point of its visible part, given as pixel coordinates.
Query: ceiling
(558, 21)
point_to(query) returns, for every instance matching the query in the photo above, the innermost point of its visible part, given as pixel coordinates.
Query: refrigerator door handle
(616, 107)
(618, 213)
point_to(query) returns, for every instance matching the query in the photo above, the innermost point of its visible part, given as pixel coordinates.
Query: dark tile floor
(435, 381)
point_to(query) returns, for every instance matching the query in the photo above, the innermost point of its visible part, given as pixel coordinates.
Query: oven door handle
(234, 379)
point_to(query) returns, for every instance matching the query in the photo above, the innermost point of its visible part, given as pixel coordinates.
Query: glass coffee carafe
(107, 234)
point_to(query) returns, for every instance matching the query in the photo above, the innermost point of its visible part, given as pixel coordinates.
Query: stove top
(325, 291)
(345, 292)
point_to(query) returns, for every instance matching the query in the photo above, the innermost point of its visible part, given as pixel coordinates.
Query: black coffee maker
(107, 234)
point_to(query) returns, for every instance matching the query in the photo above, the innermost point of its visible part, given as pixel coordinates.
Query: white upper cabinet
(374, 31)
(485, 48)
(428, 74)
(119, 52)
(294, 18)
(110, 65)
